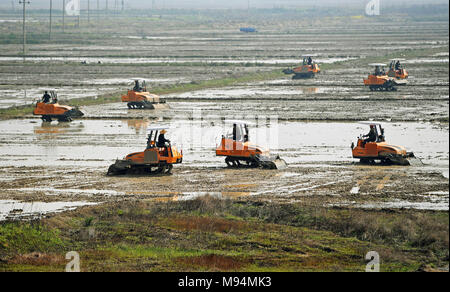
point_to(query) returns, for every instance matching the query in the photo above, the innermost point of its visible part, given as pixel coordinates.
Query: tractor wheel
(64, 119)
(113, 171)
(161, 169)
(229, 161)
(46, 119)
(366, 161)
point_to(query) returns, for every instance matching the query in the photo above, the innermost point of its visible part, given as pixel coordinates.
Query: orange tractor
(308, 69)
(379, 80)
(158, 158)
(397, 70)
(49, 109)
(140, 98)
(239, 152)
(375, 148)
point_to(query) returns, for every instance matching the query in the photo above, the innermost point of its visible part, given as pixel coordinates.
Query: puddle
(442, 54)
(56, 192)
(441, 193)
(441, 204)
(290, 174)
(425, 61)
(125, 60)
(126, 82)
(354, 190)
(189, 196)
(16, 210)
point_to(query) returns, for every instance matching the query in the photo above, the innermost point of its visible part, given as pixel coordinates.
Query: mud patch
(16, 210)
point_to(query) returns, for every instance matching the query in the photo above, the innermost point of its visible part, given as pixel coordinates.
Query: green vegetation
(28, 237)
(209, 234)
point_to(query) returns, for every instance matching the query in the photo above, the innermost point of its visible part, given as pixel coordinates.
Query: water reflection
(140, 126)
(48, 130)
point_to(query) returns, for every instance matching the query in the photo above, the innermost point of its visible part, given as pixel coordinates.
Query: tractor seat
(164, 151)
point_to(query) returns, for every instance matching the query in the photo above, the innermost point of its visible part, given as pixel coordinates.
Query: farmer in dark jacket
(46, 98)
(372, 136)
(162, 140)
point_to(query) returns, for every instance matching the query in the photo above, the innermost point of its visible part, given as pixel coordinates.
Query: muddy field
(164, 56)
(50, 169)
(68, 162)
(310, 123)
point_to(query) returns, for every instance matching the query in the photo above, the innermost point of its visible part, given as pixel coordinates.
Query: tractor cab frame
(240, 131)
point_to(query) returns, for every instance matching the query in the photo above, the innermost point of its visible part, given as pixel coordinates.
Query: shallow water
(125, 60)
(29, 96)
(99, 142)
(11, 210)
(437, 204)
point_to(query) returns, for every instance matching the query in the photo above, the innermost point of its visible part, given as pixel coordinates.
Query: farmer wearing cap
(162, 140)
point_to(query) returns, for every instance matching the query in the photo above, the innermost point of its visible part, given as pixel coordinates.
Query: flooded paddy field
(68, 162)
(294, 102)
(165, 56)
(324, 212)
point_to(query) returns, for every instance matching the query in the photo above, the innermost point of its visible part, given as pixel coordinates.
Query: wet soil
(310, 123)
(68, 162)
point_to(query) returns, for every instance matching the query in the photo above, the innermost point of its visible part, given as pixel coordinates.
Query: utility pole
(13, 7)
(89, 11)
(79, 16)
(50, 28)
(107, 6)
(24, 28)
(63, 15)
(98, 11)
(123, 5)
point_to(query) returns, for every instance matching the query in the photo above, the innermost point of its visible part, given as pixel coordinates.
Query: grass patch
(208, 234)
(22, 238)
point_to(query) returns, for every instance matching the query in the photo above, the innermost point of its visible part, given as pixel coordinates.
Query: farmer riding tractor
(158, 158)
(398, 71)
(373, 147)
(48, 108)
(379, 80)
(139, 98)
(239, 152)
(308, 69)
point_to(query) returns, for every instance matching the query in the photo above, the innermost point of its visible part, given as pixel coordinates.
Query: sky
(203, 4)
